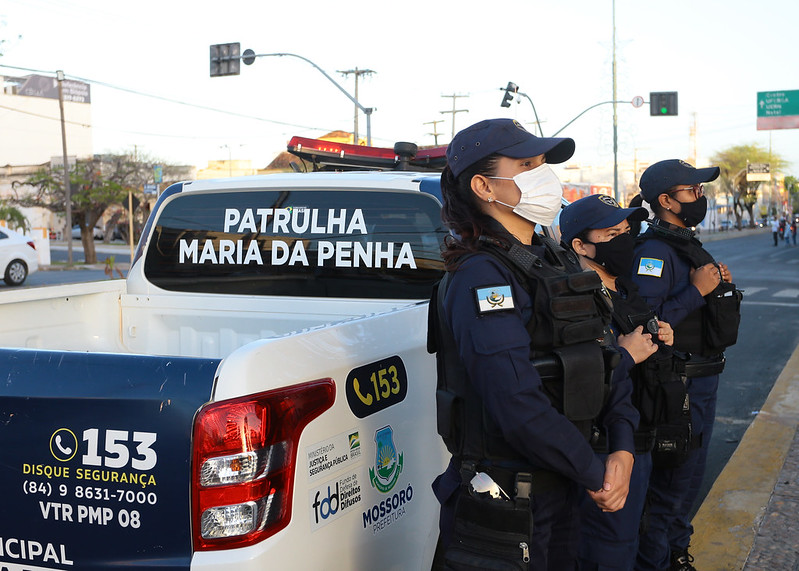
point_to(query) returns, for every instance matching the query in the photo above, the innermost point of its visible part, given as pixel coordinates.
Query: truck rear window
(317, 243)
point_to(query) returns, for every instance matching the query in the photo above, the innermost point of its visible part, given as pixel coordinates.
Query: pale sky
(716, 53)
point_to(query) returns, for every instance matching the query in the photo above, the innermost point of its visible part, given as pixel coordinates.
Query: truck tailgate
(96, 458)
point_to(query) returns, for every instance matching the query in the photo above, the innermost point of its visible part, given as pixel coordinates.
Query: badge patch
(650, 267)
(494, 298)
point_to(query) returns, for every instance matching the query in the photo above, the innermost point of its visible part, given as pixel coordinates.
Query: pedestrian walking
(775, 230)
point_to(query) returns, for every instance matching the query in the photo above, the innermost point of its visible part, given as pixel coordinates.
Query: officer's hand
(726, 275)
(638, 344)
(613, 494)
(665, 333)
(706, 278)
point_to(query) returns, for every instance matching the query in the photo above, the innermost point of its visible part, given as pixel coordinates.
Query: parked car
(98, 232)
(18, 257)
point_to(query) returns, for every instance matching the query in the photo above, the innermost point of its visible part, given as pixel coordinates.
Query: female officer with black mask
(598, 230)
(685, 286)
(522, 376)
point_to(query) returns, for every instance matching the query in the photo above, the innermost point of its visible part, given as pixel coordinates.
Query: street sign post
(777, 110)
(758, 172)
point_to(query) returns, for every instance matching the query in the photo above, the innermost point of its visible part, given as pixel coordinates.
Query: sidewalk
(750, 518)
(103, 250)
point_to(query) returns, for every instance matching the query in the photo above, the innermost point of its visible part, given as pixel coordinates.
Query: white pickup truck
(256, 394)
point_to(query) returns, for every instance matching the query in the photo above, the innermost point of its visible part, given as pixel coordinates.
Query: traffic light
(225, 59)
(509, 91)
(663, 103)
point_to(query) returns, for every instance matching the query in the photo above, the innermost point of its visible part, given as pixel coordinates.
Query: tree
(792, 188)
(94, 185)
(733, 181)
(15, 219)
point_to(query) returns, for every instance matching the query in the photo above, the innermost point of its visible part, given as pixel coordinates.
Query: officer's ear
(480, 188)
(579, 247)
(664, 200)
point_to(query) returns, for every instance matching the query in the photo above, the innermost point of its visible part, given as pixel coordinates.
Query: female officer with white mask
(598, 230)
(522, 375)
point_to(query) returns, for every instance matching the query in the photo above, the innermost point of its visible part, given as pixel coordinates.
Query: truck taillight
(244, 462)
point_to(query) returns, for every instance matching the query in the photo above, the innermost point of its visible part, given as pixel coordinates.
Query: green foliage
(792, 188)
(732, 180)
(13, 217)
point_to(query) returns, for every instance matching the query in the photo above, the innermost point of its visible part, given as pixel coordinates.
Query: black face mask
(616, 255)
(692, 213)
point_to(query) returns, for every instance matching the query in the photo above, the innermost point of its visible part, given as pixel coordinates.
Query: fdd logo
(325, 508)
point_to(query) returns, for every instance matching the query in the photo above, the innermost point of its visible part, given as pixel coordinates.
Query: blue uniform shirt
(663, 280)
(494, 346)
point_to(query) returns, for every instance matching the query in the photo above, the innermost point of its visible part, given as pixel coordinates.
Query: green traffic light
(664, 110)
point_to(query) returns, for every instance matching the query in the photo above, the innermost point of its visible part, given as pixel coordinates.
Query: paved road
(768, 335)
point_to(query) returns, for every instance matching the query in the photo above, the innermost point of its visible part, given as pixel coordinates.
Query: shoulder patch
(650, 267)
(493, 298)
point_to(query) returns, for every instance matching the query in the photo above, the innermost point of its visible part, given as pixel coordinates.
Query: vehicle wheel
(16, 272)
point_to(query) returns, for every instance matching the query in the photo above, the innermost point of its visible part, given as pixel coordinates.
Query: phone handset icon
(65, 450)
(63, 444)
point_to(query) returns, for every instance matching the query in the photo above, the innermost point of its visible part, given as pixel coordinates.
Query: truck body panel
(102, 384)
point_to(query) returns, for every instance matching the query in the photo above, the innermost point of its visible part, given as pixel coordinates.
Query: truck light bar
(327, 155)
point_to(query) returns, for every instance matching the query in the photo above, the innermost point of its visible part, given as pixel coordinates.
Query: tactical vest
(709, 330)
(659, 382)
(568, 318)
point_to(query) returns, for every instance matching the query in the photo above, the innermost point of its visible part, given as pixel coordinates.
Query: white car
(18, 257)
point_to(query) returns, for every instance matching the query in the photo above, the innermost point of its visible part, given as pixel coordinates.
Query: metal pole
(540, 132)
(67, 189)
(333, 81)
(615, 118)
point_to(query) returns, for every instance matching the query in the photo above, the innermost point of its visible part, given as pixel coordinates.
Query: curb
(726, 524)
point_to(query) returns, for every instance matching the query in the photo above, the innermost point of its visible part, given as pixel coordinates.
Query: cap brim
(620, 214)
(557, 150)
(708, 174)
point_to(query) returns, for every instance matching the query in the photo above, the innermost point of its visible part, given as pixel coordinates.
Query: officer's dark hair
(635, 202)
(461, 212)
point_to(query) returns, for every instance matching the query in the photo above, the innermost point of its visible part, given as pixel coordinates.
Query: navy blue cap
(665, 175)
(506, 137)
(595, 212)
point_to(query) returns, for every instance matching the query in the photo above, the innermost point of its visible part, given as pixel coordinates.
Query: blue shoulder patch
(494, 298)
(650, 267)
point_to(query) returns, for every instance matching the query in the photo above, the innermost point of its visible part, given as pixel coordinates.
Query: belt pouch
(583, 380)
(490, 534)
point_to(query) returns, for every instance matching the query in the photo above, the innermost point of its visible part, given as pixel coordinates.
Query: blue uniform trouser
(609, 541)
(672, 492)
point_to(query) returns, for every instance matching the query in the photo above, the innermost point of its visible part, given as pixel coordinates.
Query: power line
(169, 100)
(43, 116)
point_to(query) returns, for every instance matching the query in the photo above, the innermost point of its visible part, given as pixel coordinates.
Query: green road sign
(777, 110)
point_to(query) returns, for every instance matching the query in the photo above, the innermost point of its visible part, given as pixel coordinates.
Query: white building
(31, 122)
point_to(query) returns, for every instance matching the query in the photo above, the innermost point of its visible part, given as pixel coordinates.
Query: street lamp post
(515, 89)
(248, 57)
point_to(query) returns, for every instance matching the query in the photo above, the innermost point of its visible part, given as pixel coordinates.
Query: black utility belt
(541, 480)
(643, 440)
(701, 367)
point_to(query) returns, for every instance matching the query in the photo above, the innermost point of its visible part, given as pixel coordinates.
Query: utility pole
(435, 132)
(692, 136)
(615, 118)
(67, 190)
(358, 73)
(454, 98)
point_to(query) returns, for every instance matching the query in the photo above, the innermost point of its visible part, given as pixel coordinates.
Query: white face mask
(541, 195)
